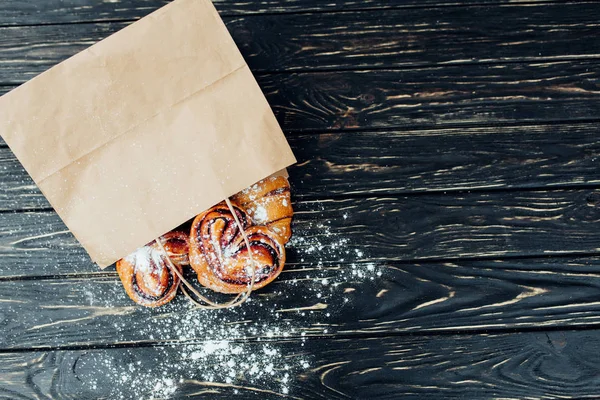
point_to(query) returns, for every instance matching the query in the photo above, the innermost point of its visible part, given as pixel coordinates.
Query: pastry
(145, 274)
(177, 247)
(220, 257)
(268, 203)
(216, 248)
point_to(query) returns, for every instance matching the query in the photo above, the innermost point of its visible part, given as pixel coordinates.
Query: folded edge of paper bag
(106, 90)
(124, 165)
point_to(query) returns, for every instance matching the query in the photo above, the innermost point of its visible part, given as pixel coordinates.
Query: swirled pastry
(145, 274)
(220, 257)
(177, 247)
(268, 203)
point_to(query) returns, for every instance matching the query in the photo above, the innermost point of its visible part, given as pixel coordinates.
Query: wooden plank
(378, 229)
(547, 365)
(398, 162)
(17, 12)
(380, 38)
(386, 162)
(433, 97)
(391, 298)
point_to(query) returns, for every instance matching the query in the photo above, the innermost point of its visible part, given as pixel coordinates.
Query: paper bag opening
(145, 129)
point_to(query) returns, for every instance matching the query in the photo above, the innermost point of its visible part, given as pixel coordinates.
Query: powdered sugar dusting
(144, 257)
(260, 214)
(160, 372)
(242, 346)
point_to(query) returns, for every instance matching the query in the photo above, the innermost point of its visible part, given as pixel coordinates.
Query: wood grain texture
(386, 162)
(406, 295)
(398, 162)
(433, 97)
(390, 298)
(381, 229)
(351, 40)
(547, 365)
(17, 12)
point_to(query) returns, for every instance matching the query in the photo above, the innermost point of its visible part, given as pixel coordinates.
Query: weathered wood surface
(549, 365)
(447, 199)
(434, 96)
(402, 162)
(376, 229)
(17, 12)
(380, 38)
(389, 298)
(444, 160)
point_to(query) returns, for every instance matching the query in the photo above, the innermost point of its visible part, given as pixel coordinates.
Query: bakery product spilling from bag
(234, 247)
(106, 134)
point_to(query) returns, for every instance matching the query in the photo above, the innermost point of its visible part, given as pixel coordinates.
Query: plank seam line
(560, 59)
(390, 263)
(32, 210)
(60, 277)
(406, 66)
(400, 194)
(435, 128)
(448, 126)
(226, 15)
(332, 337)
(560, 187)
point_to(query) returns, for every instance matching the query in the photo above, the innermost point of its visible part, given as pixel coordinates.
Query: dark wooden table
(448, 213)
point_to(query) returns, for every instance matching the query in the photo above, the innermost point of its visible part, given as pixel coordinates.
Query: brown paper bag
(144, 130)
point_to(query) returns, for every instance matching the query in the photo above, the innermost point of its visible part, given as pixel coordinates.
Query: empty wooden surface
(352, 40)
(447, 198)
(561, 364)
(19, 13)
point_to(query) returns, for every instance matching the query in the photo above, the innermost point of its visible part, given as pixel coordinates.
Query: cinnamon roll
(145, 274)
(177, 247)
(268, 203)
(220, 257)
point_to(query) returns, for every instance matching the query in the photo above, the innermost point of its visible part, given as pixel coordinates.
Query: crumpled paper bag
(145, 129)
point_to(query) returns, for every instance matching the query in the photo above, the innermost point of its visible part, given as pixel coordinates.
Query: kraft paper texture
(145, 129)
